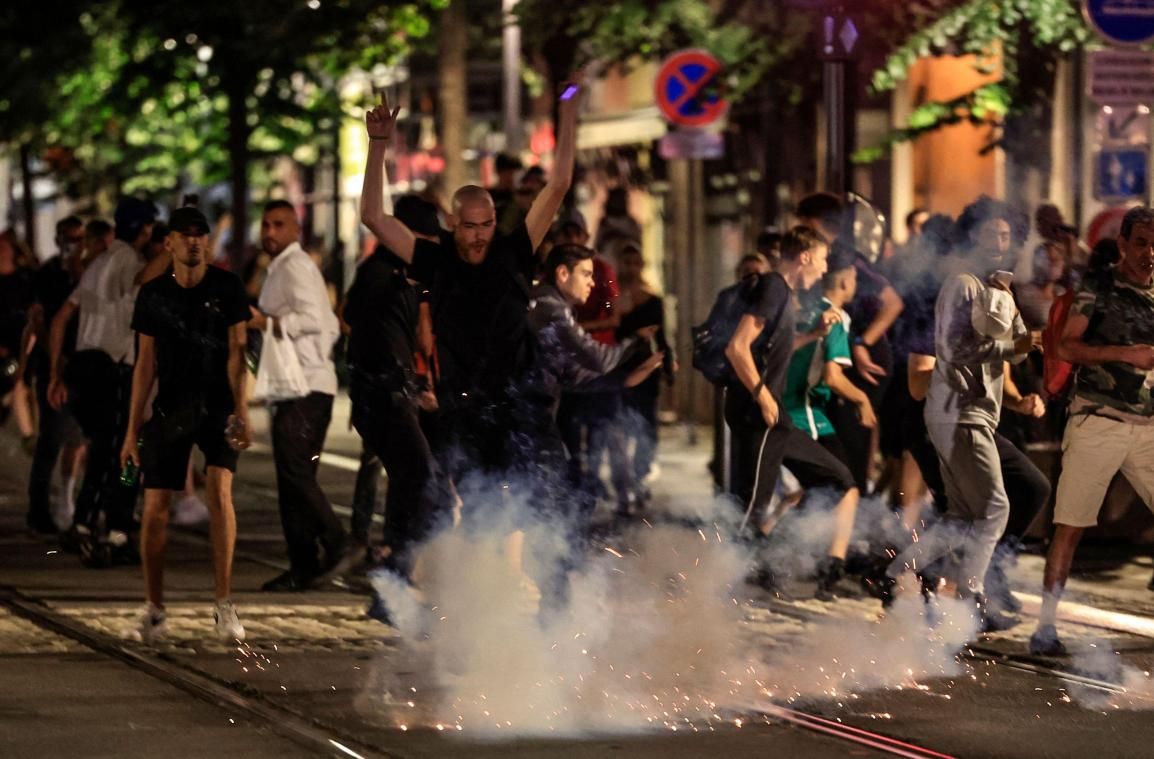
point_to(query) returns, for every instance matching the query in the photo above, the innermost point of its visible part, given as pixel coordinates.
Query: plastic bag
(279, 376)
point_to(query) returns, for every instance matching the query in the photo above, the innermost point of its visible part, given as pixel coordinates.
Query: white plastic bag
(279, 376)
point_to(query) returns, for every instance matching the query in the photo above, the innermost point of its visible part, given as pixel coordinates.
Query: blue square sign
(1120, 173)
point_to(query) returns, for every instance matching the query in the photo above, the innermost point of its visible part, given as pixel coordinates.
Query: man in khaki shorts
(1110, 336)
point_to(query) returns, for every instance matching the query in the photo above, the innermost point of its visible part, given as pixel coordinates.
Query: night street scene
(536, 379)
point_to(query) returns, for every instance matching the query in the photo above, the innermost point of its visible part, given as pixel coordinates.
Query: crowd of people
(489, 343)
(974, 315)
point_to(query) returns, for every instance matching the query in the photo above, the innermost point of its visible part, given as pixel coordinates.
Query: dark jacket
(568, 358)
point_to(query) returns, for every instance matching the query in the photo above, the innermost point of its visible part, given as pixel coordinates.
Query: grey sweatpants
(977, 507)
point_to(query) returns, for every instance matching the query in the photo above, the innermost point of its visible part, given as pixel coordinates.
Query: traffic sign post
(688, 94)
(839, 82)
(688, 90)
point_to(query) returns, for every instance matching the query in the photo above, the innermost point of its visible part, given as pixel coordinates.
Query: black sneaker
(379, 611)
(994, 620)
(287, 582)
(765, 579)
(72, 538)
(829, 573)
(880, 586)
(1150, 585)
(1045, 642)
(95, 553)
(42, 525)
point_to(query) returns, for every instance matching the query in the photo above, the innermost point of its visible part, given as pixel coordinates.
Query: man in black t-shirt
(479, 283)
(383, 313)
(763, 437)
(190, 323)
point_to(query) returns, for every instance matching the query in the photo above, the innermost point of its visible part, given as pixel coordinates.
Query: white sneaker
(153, 625)
(228, 626)
(189, 510)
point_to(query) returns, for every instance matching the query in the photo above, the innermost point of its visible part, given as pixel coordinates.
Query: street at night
(522, 378)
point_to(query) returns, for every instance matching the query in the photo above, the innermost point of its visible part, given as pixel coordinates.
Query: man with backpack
(1109, 335)
(764, 437)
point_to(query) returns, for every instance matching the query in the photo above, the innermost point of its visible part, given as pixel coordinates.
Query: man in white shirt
(97, 384)
(294, 297)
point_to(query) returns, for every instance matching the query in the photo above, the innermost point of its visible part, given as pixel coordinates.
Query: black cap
(131, 215)
(188, 221)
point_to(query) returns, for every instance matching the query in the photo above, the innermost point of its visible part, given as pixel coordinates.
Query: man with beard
(295, 299)
(1109, 336)
(977, 329)
(479, 286)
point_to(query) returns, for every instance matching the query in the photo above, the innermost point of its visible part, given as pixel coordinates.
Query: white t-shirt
(105, 296)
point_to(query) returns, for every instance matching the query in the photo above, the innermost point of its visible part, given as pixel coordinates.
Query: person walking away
(190, 324)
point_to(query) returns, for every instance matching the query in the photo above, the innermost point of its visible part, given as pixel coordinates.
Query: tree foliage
(1021, 41)
(136, 96)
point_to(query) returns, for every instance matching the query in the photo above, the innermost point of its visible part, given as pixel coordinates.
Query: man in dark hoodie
(569, 359)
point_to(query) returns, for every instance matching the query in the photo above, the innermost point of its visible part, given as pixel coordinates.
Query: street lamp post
(511, 58)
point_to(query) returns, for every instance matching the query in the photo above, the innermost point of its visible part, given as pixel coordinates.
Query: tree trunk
(238, 156)
(29, 198)
(454, 76)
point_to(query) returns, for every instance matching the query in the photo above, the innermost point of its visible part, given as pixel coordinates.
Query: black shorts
(164, 458)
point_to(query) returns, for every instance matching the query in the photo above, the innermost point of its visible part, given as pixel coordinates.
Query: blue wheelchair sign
(1120, 173)
(1121, 22)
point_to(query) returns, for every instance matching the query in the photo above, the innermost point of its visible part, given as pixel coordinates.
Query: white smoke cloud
(655, 634)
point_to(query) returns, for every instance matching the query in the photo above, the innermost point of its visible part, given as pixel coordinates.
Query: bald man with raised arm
(479, 291)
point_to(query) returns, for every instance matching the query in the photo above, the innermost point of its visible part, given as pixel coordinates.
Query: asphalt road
(314, 673)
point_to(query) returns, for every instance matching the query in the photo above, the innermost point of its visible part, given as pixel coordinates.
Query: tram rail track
(309, 734)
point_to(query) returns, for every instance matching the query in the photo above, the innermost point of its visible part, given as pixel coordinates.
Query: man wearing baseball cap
(191, 328)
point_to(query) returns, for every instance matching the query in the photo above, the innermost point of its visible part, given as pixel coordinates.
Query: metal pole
(833, 96)
(511, 65)
(1079, 146)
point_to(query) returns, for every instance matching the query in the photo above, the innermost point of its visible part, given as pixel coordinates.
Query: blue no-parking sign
(687, 90)
(1121, 22)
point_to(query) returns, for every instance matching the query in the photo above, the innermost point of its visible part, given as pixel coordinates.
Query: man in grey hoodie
(977, 329)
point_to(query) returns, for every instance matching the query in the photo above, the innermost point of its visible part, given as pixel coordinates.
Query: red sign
(688, 89)
(1108, 223)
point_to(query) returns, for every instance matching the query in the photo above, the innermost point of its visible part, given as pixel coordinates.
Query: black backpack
(711, 337)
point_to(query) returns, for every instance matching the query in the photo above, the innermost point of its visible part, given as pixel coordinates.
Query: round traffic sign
(1121, 22)
(687, 89)
(1107, 223)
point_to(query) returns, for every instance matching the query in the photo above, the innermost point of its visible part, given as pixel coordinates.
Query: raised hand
(381, 121)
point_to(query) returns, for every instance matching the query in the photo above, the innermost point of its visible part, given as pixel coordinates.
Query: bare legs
(1059, 559)
(222, 529)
